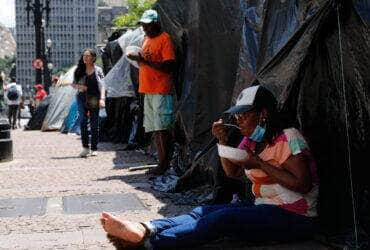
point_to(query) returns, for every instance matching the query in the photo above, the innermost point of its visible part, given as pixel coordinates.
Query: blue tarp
(72, 121)
(363, 8)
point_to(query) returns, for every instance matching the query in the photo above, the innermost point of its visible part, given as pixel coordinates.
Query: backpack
(13, 93)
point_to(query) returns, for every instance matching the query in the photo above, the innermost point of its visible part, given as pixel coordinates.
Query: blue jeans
(94, 124)
(243, 221)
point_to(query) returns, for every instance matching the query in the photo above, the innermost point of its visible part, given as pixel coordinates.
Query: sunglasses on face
(238, 116)
(243, 116)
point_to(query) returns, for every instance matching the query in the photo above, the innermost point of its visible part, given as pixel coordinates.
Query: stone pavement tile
(40, 240)
(84, 239)
(64, 223)
(22, 207)
(92, 236)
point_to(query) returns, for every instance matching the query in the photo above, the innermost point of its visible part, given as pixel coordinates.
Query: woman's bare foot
(132, 232)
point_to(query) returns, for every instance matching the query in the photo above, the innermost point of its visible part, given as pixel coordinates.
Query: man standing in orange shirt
(156, 65)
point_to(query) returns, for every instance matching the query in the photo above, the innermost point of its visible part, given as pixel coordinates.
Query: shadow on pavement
(65, 157)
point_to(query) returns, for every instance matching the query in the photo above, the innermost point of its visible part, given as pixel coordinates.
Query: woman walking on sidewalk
(90, 97)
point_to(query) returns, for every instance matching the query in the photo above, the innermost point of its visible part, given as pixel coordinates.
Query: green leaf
(135, 9)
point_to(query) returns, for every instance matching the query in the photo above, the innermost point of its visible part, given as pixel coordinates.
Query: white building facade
(72, 27)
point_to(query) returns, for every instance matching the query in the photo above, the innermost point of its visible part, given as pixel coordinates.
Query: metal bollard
(6, 143)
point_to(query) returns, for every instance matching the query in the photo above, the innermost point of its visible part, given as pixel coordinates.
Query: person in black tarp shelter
(38, 114)
(277, 160)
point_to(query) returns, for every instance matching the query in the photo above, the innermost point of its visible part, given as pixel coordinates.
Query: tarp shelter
(118, 81)
(72, 122)
(35, 123)
(314, 55)
(121, 86)
(60, 103)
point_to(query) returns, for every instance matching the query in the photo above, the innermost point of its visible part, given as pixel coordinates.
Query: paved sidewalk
(45, 165)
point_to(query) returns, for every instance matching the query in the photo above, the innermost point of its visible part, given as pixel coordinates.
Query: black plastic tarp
(38, 116)
(295, 48)
(330, 102)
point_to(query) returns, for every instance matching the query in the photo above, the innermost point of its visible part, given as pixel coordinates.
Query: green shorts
(158, 112)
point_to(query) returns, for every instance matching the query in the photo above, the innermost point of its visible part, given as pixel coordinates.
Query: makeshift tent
(314, 55)
(72, 122)
(121, 87)
(118, 81)
(60, 103)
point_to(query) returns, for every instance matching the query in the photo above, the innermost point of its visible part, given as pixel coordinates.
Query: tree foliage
(135, 9)
(6, 64)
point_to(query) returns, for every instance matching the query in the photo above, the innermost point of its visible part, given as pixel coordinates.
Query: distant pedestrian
(90, 97)
(13, 96)
(40, 94)
(2, 87)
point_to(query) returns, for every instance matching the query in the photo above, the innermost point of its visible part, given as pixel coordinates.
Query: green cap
(149, 16)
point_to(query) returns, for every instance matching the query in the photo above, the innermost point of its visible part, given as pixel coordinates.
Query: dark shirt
(91, 82)
(92, 85)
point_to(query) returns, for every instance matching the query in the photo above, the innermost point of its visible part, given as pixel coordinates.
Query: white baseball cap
(252, 98)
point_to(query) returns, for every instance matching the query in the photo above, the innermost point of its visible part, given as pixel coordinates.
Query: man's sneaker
(94, 153)
(85, 152)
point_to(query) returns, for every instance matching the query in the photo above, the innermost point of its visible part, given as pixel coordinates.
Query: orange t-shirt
(157, 49)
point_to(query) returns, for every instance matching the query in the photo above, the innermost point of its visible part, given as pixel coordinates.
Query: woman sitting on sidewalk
(285, 186)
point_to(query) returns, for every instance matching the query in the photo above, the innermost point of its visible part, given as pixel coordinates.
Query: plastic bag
(102, 113)
(118, 81)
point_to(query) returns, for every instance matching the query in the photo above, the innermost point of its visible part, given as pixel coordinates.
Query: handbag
(92, 102)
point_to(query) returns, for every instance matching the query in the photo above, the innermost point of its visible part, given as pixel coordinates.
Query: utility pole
(38, 7)
(48, 66)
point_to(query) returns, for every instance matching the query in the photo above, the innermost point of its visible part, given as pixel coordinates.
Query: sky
(7, 12)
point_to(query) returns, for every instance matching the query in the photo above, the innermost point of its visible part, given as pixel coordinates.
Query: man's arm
(166, 66)
(168, 56)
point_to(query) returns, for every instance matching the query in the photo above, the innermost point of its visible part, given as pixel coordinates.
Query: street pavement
(46, 165)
